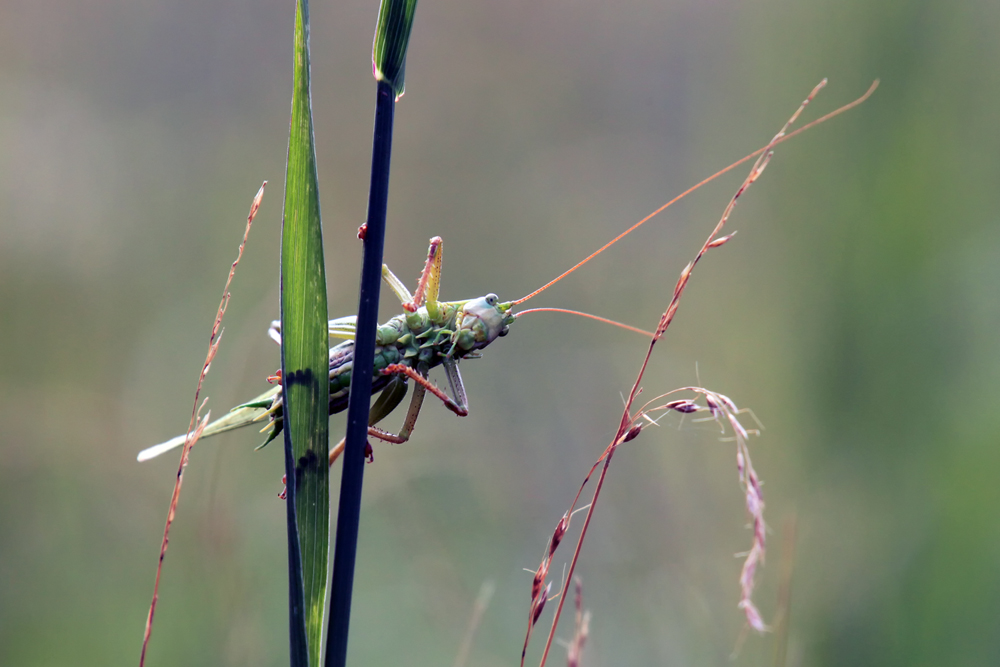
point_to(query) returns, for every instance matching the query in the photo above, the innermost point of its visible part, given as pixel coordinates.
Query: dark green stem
(349, 511)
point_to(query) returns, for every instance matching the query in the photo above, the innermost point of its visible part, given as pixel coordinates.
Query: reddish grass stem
(193, 432)
(629, 427)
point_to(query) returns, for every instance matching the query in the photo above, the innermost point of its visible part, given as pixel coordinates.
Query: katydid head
(481, 321)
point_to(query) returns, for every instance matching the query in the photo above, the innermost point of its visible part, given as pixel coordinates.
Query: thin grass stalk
(392, 34)
(478, 609)
(629, 426)
(352, 477)
(782, 616)
(625, 431)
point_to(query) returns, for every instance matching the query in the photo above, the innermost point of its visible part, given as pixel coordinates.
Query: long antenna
(751, 156)
(648, 334)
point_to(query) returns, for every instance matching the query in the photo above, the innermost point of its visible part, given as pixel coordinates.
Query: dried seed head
(536, 583)
(713, 405)
(728, 401)
(684, 405)
(686, 273)
(558, 534)
(632, 434)
(753, 616)
(721, 241)
(540, 604)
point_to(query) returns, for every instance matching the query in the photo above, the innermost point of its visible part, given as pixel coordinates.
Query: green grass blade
(305, 368)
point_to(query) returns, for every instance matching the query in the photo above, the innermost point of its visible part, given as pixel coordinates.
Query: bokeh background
(856, 312)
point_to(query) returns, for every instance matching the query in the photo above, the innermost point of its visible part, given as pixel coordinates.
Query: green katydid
(428, 334)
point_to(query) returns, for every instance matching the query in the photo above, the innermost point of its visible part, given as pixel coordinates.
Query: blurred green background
(856, 313)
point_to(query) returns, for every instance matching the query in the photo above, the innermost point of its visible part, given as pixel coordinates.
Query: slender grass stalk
(782, 615)
(486, 592)
(349, 509)
(631, 424)
(392, 35)
(304, 371)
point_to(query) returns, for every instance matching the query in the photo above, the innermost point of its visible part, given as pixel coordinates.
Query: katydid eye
(503, 332)
(492, 299)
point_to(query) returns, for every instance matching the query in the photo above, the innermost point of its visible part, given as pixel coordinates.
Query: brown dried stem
(193, 432)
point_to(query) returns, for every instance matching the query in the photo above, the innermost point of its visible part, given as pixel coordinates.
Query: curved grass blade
(305, 367)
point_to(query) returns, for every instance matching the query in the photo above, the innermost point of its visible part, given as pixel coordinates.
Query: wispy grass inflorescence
(198, 423)
(724, 411)
(720, 408)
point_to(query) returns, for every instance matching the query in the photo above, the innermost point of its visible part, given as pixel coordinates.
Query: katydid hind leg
(430, 281)
(390, 397)
(412, 412)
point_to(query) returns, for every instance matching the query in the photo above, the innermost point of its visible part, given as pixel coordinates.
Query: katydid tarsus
(427, 334)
